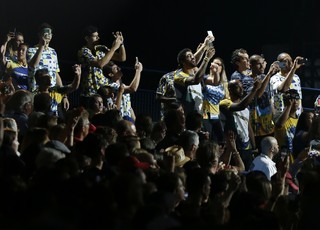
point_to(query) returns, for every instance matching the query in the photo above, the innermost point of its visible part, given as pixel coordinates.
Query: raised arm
(100, 63)
(284, 86)
(232, 153)
(120, 56)
(214, 76)
(133, 87)
(247, 99)
(119, 97)
(197, 78)
(76, 80)
(10, 36)
(35, 60)
(202, 48)
(285, 114)
(274, 68)
(3, 60)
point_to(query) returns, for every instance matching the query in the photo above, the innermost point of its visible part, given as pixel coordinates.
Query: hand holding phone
(302, 61)
(12, 34)
(137, 64)
(212, 37)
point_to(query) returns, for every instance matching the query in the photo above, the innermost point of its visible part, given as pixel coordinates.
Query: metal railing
(309, 96)
(144, 101)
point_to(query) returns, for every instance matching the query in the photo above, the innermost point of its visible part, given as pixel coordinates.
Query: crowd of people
(229, 152)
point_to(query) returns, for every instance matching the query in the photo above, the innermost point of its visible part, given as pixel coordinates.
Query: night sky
(157, 30)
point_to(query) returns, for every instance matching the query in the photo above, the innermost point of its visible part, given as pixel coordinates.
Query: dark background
(156, 30)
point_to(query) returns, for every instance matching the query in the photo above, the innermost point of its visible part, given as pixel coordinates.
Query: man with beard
(188, 77)
(166, 90)
(93, 57)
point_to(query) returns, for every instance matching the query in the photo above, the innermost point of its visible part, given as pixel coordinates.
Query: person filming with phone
(93, 56)
(41, 56)
(113, 71)
(11, 45)
(284, 80)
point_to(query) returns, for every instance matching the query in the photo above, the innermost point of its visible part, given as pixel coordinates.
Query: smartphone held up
(211, 35)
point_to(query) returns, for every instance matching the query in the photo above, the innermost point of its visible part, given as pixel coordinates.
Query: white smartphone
(210, 33)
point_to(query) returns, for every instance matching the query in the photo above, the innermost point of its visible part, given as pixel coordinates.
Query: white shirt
(196, 94)
(264, 164)
(277, 99)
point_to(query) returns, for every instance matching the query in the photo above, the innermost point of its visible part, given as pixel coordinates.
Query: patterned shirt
(125, 108)
(92, 77)
(240, 76)
(212, 95)
(277, 99)
(285, 134)
(261, 112)
(18, 74)
(238, 122)
(166, 88)
(56, 93)
(189, 95)
(48, 60)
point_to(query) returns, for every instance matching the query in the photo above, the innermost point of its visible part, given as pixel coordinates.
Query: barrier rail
(144, 101)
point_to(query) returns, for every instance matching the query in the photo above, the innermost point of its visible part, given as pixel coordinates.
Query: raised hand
(138, 65)
(274, 68)
(208, 41)
(210, 52)
(214, 67)
(10, 36)
(257, 83)
(118, 39)
(77, 69)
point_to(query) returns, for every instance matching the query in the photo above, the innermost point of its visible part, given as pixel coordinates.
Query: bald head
(269, 146)
(283, 56)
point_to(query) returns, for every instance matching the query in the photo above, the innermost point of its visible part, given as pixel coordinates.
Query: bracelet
(205, 59)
